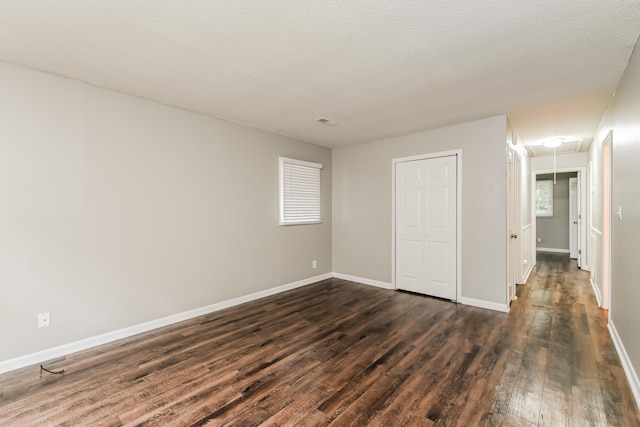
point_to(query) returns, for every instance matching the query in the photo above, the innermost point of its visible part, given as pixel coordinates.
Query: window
(299, 192)
(544, 198)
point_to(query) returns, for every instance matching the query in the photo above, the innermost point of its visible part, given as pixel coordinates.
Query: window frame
(307, 183)
(548, 212)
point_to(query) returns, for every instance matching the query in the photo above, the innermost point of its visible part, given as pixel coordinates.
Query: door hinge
(579, 216)
(580, 251)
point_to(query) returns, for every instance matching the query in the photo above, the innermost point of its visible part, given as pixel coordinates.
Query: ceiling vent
(326, 121)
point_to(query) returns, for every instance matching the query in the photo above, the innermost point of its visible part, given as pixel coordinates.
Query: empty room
(319, 213)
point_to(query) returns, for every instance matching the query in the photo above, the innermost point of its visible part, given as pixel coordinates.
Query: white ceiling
(378, 68)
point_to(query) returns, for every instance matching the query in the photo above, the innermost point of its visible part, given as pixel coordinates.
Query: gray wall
(623, 117)
(362, 228)
(115, 211)
(554, 231)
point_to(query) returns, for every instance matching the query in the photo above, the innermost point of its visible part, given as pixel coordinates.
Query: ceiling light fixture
(553, 142)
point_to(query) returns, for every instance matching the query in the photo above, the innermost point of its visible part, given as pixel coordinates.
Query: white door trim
(458, 154)
(574, 213)
(607, 219)
(514, 221)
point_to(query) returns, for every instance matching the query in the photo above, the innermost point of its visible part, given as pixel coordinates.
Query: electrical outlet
(314, 264)
(44, 320)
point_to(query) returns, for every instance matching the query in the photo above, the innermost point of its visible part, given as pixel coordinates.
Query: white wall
(623, 118)
(362, 227)
(563, 161)
(115, 211)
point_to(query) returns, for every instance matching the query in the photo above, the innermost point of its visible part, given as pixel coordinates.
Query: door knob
(514, 236)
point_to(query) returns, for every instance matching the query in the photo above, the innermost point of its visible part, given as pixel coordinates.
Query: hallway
(570, 373)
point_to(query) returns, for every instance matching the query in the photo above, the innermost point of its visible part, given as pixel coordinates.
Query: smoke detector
(326, 121)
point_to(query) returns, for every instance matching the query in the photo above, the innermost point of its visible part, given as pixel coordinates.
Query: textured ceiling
(378, 68)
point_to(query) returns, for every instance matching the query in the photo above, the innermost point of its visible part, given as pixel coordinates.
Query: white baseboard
(527, 274)
(484, 304)
(596, 291)
(364, 281)
(554, 250)
(65, 349)
(632, 376)
(466, 301)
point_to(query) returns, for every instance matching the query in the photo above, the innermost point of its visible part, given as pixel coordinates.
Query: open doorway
(570, 236)
(557, 213)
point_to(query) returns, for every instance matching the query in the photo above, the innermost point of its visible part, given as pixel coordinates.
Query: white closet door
(426, 226)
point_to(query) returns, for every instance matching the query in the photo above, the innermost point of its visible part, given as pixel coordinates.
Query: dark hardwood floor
(345, 354)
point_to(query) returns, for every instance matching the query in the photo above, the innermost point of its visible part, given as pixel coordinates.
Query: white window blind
(299, 192)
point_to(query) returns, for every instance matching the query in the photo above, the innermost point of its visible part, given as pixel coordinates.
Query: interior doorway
(557, 226)
(579, 216)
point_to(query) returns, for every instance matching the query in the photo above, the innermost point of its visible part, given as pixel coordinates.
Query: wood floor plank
(341, 353)
(587, 407)
(556, 409)
(527, 393)
(508, 374)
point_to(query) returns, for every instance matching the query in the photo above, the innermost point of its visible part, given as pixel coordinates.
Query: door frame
(607, 219)
(582, 211)
(575, 209)
(514, 221)
(394, 162)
